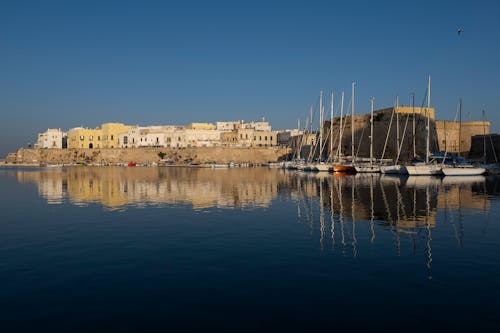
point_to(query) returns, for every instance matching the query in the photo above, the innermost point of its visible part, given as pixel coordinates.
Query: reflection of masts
(388, 211)
(299, 212)
(354, 240)
(460, 224)
(321, 216)
(332, 218)
(429, 235)
(310, 215)
(372, 212)
(414, 216)
(401, 204)
(341, 217)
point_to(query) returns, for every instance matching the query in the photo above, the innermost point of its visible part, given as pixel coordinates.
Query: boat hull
(424, 170)
(344, 168)
(321, 167)
(393, 169)
(458, 171)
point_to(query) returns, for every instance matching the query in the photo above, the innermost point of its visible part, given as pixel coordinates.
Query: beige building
(50, 139)
(201, 126)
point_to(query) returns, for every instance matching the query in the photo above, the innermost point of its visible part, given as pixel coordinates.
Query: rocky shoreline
(147, 156)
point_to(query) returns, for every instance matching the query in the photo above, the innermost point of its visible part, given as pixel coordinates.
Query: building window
(254, 138)
(98, 138)
(111, 138)
(82, 138)
(270, 138)
(91, 137)
(260, 138)
(125, 140)
(265, 138)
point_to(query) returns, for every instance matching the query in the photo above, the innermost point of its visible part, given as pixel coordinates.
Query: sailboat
(370, 167)
(343, 166)
(396, 168)
(320, 165)
(462, 169)
(429, 167)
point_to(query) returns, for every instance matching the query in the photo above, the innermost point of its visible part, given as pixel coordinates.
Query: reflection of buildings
(116, 187)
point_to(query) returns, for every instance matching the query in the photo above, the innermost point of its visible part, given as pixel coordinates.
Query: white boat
(463, 170)
(322, 167)
(395, 169)
(424, 169)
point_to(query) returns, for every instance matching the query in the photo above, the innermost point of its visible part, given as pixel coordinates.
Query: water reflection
(344, 212)
(401, 204)
(117, 188)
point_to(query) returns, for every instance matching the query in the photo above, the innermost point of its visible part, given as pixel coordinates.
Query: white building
(51, 138)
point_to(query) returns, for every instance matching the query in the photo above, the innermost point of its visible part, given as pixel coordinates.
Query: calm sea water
(254, 249)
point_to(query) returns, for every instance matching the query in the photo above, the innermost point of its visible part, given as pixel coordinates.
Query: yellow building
(105, 137)
(110, 132)
(80, 137)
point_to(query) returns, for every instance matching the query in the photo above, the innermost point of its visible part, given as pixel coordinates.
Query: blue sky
(71, 63)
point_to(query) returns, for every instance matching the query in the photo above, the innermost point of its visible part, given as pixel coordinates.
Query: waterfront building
(150, 136)
(227, 125)
(50, 139)
(80, 137)
(264, 138)
(118, 135)
(110, 133)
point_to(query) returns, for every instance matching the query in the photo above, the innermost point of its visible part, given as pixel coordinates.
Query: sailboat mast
(459, 124)
(414, 116)
(484, 138)
(397, 126)
(428, 138)
(331, 129)
(320, 124)
(341, 126)
(371, 131)
(352, 122)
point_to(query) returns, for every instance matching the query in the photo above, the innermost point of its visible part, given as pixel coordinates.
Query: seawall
(149, 155)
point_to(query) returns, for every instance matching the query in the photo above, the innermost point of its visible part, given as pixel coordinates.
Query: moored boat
(463, 170)
(345, 168)
(396, 169)
(424, 169)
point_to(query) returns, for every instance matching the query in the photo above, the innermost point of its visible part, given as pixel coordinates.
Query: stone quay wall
(149, 155)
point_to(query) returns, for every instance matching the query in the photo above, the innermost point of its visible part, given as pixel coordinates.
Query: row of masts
(339, 163)
(338, 157)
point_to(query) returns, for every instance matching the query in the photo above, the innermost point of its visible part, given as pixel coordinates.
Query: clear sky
(70, 63)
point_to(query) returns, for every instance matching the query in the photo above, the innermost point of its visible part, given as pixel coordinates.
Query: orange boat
(344, 168)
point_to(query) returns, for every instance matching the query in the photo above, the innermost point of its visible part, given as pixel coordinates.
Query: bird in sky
(460, 31)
